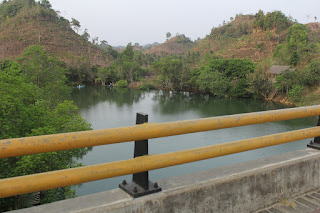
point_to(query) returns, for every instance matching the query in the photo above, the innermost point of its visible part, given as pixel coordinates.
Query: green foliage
(172, 73)
(63, 118)
(128, 65)
(9, 9)
(275, 20)
(213, 82)
(298, 47)
(222, 77)
(286, 80)
(311, 74)
(294, 58)
(121, 84)
(168, 35)
(146, 85)
(45, 71)
(297, 42)
(297, 38)
(281, 55)
(30, 107)
(128, 52)
(295, 93)
(108, 49)
(107, 75)
(16, 96)
(240, 27)
(259, 20)
(27, 10)
(46, 4)
(181, 38)
(258, 83)
(81, 71)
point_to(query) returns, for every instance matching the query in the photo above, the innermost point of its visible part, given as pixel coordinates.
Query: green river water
(110, 108)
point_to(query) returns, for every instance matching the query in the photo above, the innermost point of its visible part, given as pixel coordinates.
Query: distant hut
(276, 70)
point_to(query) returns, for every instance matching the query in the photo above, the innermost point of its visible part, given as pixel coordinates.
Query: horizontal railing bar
(61, 178)
(57, 142)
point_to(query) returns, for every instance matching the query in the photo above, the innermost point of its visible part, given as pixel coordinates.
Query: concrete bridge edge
(243, 187)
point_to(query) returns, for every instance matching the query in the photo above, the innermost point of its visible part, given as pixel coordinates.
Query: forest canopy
(33, 96)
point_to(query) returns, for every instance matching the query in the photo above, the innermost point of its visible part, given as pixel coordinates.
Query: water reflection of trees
(173, 102)
(90, 96)
(170, 102)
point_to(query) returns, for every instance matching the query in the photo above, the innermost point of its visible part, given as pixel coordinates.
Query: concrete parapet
(243, 187)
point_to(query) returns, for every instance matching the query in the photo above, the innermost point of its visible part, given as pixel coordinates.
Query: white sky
(146, 21)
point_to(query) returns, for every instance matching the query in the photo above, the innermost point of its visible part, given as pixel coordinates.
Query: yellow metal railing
(50, 180)
(58, 142)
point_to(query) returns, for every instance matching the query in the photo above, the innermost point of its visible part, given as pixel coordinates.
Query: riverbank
(309, 97)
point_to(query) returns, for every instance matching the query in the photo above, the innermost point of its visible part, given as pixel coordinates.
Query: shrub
(295, 93)
(146, 85)
(122, 84)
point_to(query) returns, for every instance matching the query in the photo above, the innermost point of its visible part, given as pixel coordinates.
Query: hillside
(243, 37)
(177, 45)
(239, 39)
(25, 22)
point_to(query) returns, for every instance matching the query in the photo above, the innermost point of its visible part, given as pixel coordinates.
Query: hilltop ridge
(178, 45)
(27, 22)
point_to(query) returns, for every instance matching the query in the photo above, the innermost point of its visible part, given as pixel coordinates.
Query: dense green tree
(297, 37)
(45, 71)
(259, 20)
(295, 92)
(128, 52)
(16, 95)
(169, 71)
(168, 35)
(259, 83)
(297, 42)
(107, 74)
(131, 69)
(129, 64)
(46, 4)
(274, 20)
(286, 80)
(277, 20)
(213, 82)
(9, 9)
(29, 107)
(312, 74)
(233, 74)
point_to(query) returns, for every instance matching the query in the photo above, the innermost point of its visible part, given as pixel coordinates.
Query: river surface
(110, 108)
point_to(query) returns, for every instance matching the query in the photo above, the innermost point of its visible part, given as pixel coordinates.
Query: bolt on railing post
(140, 184)
(315, 144)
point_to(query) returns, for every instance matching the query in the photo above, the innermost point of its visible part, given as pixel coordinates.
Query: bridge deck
(307, 203)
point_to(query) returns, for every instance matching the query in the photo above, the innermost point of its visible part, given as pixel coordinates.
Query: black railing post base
(315, 144)
(135, 190)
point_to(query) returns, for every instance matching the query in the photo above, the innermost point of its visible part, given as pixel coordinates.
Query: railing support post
(140, 184)
(315, 144)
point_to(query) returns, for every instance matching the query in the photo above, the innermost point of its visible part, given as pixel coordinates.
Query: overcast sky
(146, 21)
